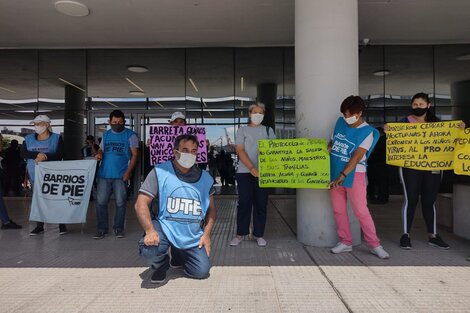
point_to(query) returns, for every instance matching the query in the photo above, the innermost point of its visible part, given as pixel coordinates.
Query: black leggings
(415, 184)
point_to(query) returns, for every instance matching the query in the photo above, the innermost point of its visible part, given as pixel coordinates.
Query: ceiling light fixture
(136, 93)
(33, 111)
(242, 83)
(6, 89)
(137, 69)
(73, 85)
(192, 83)
(463, 57)
(159, 104)
(381, 73)
(72, 8)
(134, 84)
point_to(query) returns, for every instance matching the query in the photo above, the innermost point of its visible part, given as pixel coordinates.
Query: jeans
(103, 192)
(3, 209)
(196, 262)
(251, 200)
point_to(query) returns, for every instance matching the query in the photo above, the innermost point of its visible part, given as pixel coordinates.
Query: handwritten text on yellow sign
(462, 153)
(422, 146)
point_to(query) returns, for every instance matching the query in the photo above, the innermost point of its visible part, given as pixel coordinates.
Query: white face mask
(186, 160)
(40, 129)
(351, 120)
(256, 118)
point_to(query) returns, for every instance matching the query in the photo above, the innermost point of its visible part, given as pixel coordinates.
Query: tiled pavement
(74, 273)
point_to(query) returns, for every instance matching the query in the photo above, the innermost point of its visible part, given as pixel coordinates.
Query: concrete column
(267, 94)
(74, 127)
(326, 72)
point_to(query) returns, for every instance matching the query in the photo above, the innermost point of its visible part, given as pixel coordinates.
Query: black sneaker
(62, 229)
(119, 233)
(11, 225)
(38, 230)
(438, 242)
(158, 276)
(99, 235)
(405, 242)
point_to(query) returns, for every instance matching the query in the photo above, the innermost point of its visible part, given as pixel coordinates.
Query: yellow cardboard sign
(462, 153)
(422, 146)
(294, 163)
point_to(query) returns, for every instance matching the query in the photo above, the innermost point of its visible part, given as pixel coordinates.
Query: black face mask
(117, 127)
(419, 111)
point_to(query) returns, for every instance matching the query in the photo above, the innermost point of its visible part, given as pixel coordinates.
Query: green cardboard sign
(294, 163)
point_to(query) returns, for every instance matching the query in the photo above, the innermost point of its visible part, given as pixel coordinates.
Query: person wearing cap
(7, 223)
(118, 153)
(44, 145)
(178, 119)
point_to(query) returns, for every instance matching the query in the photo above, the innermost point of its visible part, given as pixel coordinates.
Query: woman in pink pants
(352, 141)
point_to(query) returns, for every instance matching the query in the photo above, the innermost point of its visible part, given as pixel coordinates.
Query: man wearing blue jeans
(7, 223)
(118, 153)
(186, 214)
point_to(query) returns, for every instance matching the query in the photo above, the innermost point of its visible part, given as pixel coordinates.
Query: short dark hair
(116, 113)
(353, 104)
(185, 138)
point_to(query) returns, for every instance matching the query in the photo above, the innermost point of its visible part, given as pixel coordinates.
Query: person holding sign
(42, 146)
(420, 183)
(119, 150)
(252, 200)
(351, 144)
(186, 216)
(177, 119)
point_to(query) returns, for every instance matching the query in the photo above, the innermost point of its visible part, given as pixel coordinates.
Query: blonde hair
(257, 104)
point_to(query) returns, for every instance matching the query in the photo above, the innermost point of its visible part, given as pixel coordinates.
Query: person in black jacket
(7, 223)
(377, 172)
(13, 167)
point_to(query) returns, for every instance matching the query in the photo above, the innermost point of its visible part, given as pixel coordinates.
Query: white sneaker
(380, 252)
(235, 241)
(261, 242)
(341, 247)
